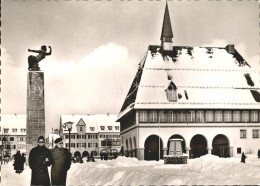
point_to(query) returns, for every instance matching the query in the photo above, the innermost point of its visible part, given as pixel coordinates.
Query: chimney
(230, 49)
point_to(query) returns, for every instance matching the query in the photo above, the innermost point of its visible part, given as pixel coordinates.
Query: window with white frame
(66, 136)
(84, 136)
(102, 127)
(109, 127)
(242, 133)
(23, 130)
(117, 127)
(6, 130)
(89, 144)
(153, 116)
(73, 145)
(236, 116)
(78, 136)
(72, 136)
(143, 116)
(181, 116)
(255, 133)
(218, 116)
(200, 116)
(78, 145)
(80, 129)
(90, 136)
(102, 136)
(14, 130)
(254, 116)
(190, 116)
(162, 117)
(227, 116)
(92, 128)
(245, 116)
(209, 116)
(84, 145)
(172, 117)
(171, 92)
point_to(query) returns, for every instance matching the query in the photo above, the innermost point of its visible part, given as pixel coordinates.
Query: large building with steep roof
(207, 96)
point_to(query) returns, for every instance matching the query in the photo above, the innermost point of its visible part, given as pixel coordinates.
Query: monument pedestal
(35, 116)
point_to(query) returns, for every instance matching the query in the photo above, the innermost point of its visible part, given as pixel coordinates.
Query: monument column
(35, 116)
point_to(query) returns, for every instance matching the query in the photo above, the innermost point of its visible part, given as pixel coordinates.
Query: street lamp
(69, 127)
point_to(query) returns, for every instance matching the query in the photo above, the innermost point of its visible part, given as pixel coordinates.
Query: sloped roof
(92, 120)
(13, 121)
(212, 78)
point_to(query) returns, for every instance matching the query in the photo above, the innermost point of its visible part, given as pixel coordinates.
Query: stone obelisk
(35, 123)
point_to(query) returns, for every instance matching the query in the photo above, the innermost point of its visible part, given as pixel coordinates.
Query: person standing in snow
(61, 163)
(243, 158)
(18, 162)
(39, 159)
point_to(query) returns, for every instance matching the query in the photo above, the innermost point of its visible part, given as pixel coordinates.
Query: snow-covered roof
(91, 120)
(211, 77)
(13, 121)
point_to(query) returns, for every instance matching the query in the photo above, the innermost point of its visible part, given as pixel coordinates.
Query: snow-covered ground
(205, 170)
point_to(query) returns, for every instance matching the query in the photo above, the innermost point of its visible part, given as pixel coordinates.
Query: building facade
(91, 134)
(12, 134)
(207, 96)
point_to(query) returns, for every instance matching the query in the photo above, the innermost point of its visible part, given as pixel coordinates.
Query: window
(89, 144)
(255, 133)
(11, 138)
(78, 136)
(109, 127)
(14, 130)
(84, 136)
(95, 136)
(115, 136)
(96, 144)
(67, 145)
(209, 116)
(117, 127)
(143, 116)
(236, 116)
(6, 130)
(172, 117)
(102, 127)
(245, 116)
(108, 136)
(102, 136)
(190, 116)
(242, 133)
(78, 145)
(73, 145)
(239, 150)
(181, 116)
(218, 116)
(200, 116)
(20, 139)
(66, 136)
(84, 145)
(254, 116)
(162, 116)
(80, 129)
(171, 92)
(72, 136)
(92, 128)
(153, 116)
(89, 136)
(227, 116)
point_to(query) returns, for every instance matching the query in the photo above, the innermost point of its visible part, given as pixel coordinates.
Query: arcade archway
(152, 148)
(220, 146)
(177, 136)
(198, 146)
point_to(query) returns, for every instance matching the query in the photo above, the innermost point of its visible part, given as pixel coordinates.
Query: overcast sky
(97, 46)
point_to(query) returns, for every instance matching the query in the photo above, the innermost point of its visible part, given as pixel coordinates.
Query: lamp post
(69, 127)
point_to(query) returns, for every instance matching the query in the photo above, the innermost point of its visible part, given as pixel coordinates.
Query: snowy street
(205, 170)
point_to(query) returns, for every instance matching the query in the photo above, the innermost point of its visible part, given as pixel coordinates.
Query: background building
(207, 96)
(12, 133)
(99, 133)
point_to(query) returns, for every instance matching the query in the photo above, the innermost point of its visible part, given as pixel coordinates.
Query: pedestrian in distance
(18, 162)
(23, 161)
(61, 163)
(243, 158)
(39, 159)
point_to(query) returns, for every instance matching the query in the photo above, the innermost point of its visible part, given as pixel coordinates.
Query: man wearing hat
(61, 163)
(39, 159)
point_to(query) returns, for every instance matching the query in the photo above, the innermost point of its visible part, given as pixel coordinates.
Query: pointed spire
(166, 34)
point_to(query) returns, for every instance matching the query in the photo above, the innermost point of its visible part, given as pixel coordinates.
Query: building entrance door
(152, 148)
(198, 146)
(220, 146)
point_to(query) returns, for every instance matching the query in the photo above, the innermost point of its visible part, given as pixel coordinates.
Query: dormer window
(171, 92)
(109, 127)
(92, 128)
(102, 127)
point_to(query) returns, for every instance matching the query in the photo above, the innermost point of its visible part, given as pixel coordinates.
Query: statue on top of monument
(34, 60)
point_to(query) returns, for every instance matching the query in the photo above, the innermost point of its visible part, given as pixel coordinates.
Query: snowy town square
(120, 92)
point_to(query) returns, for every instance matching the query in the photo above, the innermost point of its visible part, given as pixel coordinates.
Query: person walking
(61, 163)
(39, 159)
(17, 162)
(243, 158)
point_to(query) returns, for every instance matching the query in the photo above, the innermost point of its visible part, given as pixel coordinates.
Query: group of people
(19, 160)
(41, 157)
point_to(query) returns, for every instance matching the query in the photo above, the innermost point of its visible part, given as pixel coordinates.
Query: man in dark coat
(18, 162)
(61, 163)
(39, 159)
(243, 158)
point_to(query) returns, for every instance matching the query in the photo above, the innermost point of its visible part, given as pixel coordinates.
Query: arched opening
(85, 154)
(127, 150)
(220, 146)
(77, 153)
(131, 148)
(93, 153)
(135, 154)
(198, 146)
(114, 153)
(177, 136)
(152, 148)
